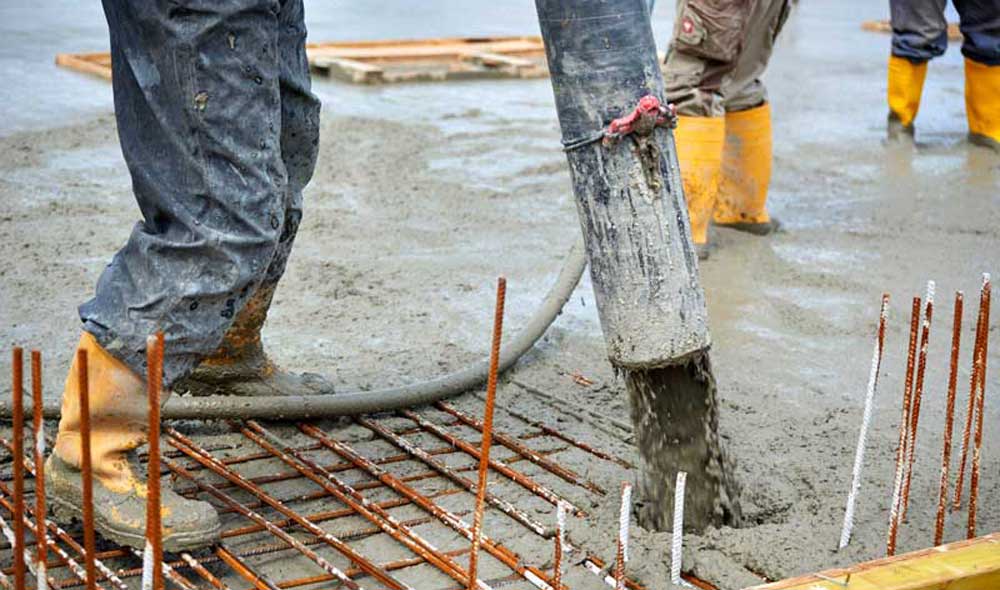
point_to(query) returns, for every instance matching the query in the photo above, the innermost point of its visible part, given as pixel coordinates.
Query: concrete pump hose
(301, 407)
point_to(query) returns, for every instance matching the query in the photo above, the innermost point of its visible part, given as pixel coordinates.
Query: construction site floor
(425, 193)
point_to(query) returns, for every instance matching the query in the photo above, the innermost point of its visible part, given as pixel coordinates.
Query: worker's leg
(746, 159)
(240, 366)
(705, 45)
(919, 33)
(197, 104)
(980, 24)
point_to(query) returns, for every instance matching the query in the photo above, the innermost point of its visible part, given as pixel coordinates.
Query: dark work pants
(220, 132)
(919, 29)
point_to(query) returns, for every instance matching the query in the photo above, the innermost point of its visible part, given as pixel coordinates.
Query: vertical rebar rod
(525, 451)
(970, 411)
(78, 570)
(86, 469)
(949, 419)
(38, 425)
(677, 540)
(17, 414)
(487, 437)
(451, 520)
(560, 540)
(621, 557)
(866, 418)
(980, 403)
(500, 467)
(452, 474)
(904, 423)
(153, 556)
(918, 394)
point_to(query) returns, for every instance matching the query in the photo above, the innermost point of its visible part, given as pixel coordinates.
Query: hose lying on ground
(300, 407)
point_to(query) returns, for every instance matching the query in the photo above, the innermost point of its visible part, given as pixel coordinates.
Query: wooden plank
(367, 62)
(86, 64)
(497, 60)
(423, 52)
(884, 26)
(965, 565)
(349, 70)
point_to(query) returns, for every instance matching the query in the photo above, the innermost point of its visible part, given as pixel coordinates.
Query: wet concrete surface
(425, 193)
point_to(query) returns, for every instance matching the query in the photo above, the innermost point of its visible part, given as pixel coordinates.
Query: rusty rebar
(550, 431)
(904, 424)
(560, 540)
(487, 438)
(525, 451)
(621, 554)
(949, 419)
(499, 466)
(17, 390)
(38, 427)
(452, 474)
(980, 403)
(353, 499)
(257, 518)
(86, 470)
(78, 570)
(247, 571)
(918, 394)
(154, 526)
(970, 411)
(194, 451)
(452, 521)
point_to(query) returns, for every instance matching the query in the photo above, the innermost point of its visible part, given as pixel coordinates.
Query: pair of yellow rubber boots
(982, 99)
(726, 169)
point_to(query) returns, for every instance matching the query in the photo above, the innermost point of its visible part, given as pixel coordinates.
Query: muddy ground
(425, 193)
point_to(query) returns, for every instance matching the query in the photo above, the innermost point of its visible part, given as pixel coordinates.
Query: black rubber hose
(300, 407)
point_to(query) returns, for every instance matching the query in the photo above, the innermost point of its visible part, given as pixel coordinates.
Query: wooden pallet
(965, 565)
(377, 62)
(884, 26)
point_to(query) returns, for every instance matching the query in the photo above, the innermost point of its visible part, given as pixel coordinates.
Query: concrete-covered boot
(699, 153)
(241, 367)
(118, 417)
(906, 84)
(982, 103)
(746, 173)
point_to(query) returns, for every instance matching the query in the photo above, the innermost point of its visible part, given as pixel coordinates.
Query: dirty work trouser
(720, 49)
(220, 132)
(919, 29)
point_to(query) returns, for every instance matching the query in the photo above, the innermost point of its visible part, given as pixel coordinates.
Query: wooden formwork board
(376, 62)
(884, 26)
(965, 565)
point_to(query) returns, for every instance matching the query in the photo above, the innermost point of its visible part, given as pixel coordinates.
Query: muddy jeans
(220, 132)
(919, 29)
(720, 48)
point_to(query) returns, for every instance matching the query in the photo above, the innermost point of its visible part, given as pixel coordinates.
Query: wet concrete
(425, 193)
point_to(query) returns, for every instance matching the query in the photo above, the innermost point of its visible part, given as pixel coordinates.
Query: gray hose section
(301, 407)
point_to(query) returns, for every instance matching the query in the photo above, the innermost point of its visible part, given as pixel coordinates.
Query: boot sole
(65, 513)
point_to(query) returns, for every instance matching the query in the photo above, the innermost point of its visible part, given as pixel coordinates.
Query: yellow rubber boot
(118, 424)
(906, 84)
(746, 172)
(982, 103)
(699, 152)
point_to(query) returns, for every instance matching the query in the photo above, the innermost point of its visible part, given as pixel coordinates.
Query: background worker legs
(919, 35)
(719, 50)
(218, 162)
